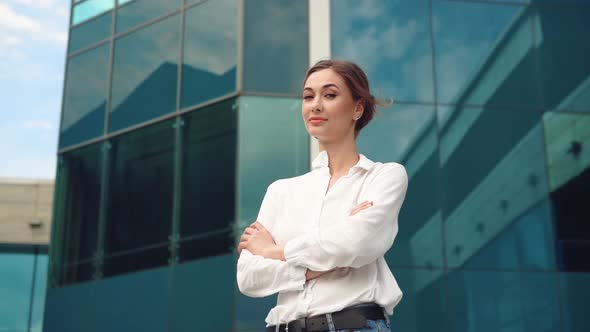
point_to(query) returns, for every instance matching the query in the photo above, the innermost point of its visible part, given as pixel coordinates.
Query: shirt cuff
(293, 251)
(296, 278)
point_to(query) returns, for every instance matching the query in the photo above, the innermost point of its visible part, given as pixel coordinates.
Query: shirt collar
(322, 161)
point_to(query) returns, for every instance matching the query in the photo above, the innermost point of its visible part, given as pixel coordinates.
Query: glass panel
(85, 96)
(424, 296)
(567, 137)
(79, 199)
(38, 305)
(526, 243)
(390, 40)
(209, 169)
(206, 245)
(407, 134)
(210, 51)
(193, 281)
(136, 261)
(251, 312)
(78, 300)
(269, 129)
(77, 272)
(141, 11)
(563, 53)
(141, 188)
(575, 291)
(489, 301)
(90, 8)
(485, 54)
(275, 45)
(490, 180)
(90, 32)
(16, 271)
(133, 302)
(145, 72)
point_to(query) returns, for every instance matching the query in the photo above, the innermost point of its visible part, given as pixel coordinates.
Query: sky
(33, 38)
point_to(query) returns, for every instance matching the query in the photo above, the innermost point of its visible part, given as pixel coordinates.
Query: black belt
(349, 318)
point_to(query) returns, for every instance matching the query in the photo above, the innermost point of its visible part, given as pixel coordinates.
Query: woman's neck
(341, 157)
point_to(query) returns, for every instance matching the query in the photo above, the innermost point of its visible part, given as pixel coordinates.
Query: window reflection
(485, 54)
(138, 12)
(85, 96)
(145, 71)
(140, 189)
(390, 40)
(489, 179)
(90, 8)
(563, 54)
(275, 45)
(210, 51)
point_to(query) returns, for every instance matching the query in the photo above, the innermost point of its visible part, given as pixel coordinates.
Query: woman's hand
(258, 240)
(360, 207)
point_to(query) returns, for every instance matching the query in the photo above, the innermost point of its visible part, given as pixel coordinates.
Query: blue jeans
(380, 325)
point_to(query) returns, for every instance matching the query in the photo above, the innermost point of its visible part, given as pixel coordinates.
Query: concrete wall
(22, 202)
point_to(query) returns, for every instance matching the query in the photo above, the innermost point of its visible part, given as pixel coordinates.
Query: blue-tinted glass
(567, 136)
(209, 171)
(90, 32)
(575, 291)
(140, 189)
(141, 11)
(406, 134)
(77, 205)
(16, 276)
(275, 45)
(145, 71)
(133, 302)
(79, 301)
(563, 52)
(202, 295)
(210, 51)
(117, 264)
(213, 243)
(526, 243)
(423, 306)
(251, 312)
(485, 54)
(269, 129)
(38, 305)
(90, 8)
(85, 96)
(489, 301)
(493, 172)
(390, 40)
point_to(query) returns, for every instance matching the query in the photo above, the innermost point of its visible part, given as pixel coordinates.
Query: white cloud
(38, 124)
(22, 25)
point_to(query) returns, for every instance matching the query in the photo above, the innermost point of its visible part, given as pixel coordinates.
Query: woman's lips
(316, 121)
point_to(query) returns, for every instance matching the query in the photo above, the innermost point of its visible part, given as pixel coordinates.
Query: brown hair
(358, 84)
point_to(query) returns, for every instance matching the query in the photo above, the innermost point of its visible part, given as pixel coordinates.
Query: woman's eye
(307, 97)
(330, 95)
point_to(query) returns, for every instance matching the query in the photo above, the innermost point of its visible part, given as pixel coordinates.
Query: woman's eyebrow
(329, 85)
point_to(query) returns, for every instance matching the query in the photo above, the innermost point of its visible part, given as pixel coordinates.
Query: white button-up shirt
(318, 233)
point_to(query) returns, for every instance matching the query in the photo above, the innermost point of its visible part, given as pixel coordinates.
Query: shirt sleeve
(258, 276)
(361, 238)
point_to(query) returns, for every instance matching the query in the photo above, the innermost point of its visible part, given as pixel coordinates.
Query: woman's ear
(358, 110)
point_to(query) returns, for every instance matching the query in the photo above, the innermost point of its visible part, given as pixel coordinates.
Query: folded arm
(361, 238)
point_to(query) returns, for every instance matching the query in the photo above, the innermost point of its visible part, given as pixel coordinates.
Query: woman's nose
(316, 105)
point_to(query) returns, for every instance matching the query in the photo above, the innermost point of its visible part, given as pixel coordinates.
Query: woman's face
(328, 108)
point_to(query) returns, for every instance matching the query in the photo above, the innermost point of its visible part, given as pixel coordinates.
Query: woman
(319, 238)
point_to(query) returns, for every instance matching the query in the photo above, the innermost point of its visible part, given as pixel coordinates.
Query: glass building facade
(23, 276)
(178, 114)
